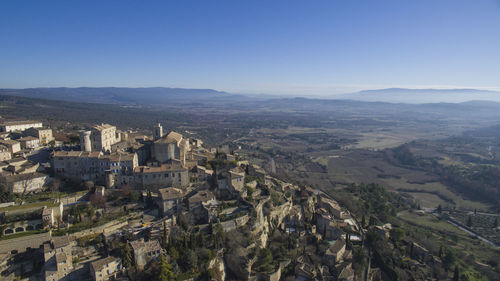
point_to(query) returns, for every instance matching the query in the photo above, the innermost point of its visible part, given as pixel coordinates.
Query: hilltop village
(122, 205)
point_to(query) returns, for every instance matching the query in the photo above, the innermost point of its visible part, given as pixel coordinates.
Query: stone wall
(107, 228)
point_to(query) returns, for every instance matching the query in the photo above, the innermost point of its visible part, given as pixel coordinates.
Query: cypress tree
(456, 274)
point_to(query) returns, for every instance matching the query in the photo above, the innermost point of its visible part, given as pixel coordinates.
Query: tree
(190, 259)
(449, 258)
(456, 274)
(363, 221)
(98, 201)
(149, 200)
(89, 185)
(264, 260)
(127, 256)
(6, 194)
(397, 234)
(469, 221)
(495, 224)
(164, 236)
(165, 273)
(55, 185)
(439, 209)
(372, 221)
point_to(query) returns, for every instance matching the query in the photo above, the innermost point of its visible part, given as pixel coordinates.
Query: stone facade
(12, 145)
(58, 259)
(44, 135)
(156, 177)
(144, 252)
(19, 125)
(26, 183)
(103, 137)
(29, 142)
(170, 147)
(105, 269)
(170, 201)
(92, 166)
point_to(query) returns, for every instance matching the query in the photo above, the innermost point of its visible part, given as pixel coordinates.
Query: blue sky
(295, 47)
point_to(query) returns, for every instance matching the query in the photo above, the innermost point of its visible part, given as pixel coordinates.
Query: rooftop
(172, 137)
(162, 168)
(19, 122)
(21, 177)
(103, 126)
(140, 245)
(336, 246)
(28, 138)
(170, 193)
(98, 265)
(56, 243)
(8, 142)
(201, 196)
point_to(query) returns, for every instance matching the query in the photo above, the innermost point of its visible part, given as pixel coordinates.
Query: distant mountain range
(158, 96)
(131, 96)
(416, 96)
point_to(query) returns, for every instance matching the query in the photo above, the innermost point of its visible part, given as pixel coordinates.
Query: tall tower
(85, 141)
(157, 132)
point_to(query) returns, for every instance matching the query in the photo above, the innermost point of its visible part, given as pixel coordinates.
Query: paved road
(468, 231)
(473, 233)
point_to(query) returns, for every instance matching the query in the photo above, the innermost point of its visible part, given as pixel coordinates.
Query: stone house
(29, 142)
(19, 125)
(44, 135)
(144, 252)
(12, 145)
(165, 175)
(201, 206)
(170, 201)
(103, 136)
(26, 183)
(105, 269)
(5, 153)
(58, 259)
(335, 253)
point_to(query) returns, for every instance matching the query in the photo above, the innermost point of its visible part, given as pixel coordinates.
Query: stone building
(144, 252)
(18, 165)
(5, 153)
(231, 183)
(19, 125)
(29, 142)
(103, 136)
(12, 145)
(106, 268)
(170, 201)
(157, 132)
(156, 177)
(170, 147)
(58, 259)
(25, 183)
(44, 135)
(92, 166)
(335, 253)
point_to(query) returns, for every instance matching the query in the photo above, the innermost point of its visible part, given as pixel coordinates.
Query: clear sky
(297, 47)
